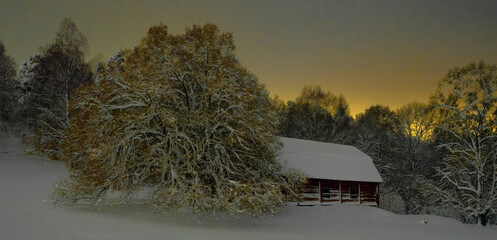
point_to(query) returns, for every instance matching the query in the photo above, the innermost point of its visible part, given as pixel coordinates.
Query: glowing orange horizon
(388, 53)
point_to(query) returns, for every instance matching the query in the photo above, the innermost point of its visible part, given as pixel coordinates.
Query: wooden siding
(333, 191)
(323, 191)
(311, 191)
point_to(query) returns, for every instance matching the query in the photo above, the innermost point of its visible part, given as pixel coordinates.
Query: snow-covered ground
(25, 213)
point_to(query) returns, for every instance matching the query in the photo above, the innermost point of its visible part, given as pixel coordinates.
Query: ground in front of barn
(26, 213)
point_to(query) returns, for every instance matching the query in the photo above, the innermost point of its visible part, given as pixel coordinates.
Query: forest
(180, 118)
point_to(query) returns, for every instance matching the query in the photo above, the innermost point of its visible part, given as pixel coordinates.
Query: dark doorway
(325, 191)
(354, 192)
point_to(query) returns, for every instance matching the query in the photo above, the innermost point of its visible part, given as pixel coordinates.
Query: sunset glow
(381, 52)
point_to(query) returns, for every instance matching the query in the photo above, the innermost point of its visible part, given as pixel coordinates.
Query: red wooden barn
(338, 173)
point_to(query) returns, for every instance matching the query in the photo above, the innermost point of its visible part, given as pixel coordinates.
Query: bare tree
(374, 130)
(414, 153)
(466, 100)
(59, 69)
(414, 124)
(307, 121)
(318, 115)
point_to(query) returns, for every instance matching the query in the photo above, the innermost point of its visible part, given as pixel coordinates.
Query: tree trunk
(482, 219)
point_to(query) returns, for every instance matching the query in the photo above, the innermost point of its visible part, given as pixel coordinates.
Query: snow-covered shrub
(179, 118)
(391, 201)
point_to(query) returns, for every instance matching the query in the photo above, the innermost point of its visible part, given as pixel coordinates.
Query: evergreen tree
(25, 86)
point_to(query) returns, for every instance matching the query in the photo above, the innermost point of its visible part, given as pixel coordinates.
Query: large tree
(414, 154)
(374, 131)
(7, 86)
(467, 101)
(307, 121)
(375, 135)
(56, 72)
(317, 115)
(177, 118)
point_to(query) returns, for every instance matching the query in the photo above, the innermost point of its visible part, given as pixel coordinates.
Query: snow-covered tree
(51, 79)
(281, 110)
(25, 87)
(391, 201)
(337, 106)
(307, 121)
(179, 120)
(414, 153)
(414, 124)
(467, 101)
(374, 135)
(317, 115)
(26, 75)
(7, 87)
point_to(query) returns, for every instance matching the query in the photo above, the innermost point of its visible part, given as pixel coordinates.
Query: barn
(337, 173)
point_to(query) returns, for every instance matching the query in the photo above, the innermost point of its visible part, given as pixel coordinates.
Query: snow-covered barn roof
(328, 160)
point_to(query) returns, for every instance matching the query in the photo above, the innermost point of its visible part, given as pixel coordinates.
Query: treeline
(37, 101)
(401, 142)
(437, 157)
(178, 114)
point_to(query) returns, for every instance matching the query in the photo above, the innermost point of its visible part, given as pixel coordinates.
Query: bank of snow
(25, 213)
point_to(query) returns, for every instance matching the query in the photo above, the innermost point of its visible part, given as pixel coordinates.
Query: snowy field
(25, 213)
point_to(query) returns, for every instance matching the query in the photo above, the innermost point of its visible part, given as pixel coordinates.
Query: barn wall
(368, 192)
(330, 191)
(323, 191)
(311, 190)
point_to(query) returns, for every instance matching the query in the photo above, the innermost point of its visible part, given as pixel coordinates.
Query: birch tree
(466, 99)
(59, 69)
(180, 122)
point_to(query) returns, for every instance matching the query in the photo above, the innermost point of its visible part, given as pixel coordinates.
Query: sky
(371, 52)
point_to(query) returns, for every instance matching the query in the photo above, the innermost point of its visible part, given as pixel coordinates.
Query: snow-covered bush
(177, 118)
(392, 202)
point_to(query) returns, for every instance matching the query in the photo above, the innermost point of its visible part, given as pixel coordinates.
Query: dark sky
(372, 52)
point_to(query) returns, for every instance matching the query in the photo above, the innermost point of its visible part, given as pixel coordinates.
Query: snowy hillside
(25, 182)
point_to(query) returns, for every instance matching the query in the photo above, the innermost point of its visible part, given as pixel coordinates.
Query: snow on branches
(467, 101)
(177, 118)
(48, 82)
